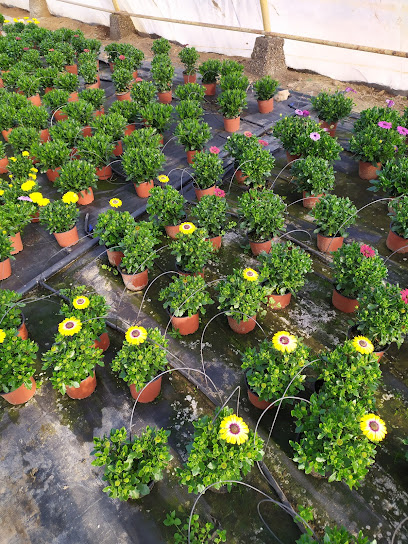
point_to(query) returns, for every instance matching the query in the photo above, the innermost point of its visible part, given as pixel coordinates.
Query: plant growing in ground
(143, 93)
(67, 81)
(22, 138)
(112, 226)
(189, 109)
(185, 296)
(59, 216)
(265, 88)
(138, 248)
(256, 163)
(399, 216)
(157, 115)
(144, 137)
(55, 99)
(378, 144)
(355, 266)
(270, 368)
(10, 309)
(96, 97)
(332, 107)
(189, 57)
(208, 169)
(192, 248)
(232, 103)
(223, 449)
(79, 111)
(131, 465)
(162, 73)
(97, 149)
(190, 91)
(17, 361)
(199, 533)
(284, 269)
(161, 46)
(313, 175)
(142, 165)
(262, 214)
(122, 78)
(234, 80)
(51, 155)
(165, 204)
(333, 215)
(192, 134)
(76, 176)
(69, 131)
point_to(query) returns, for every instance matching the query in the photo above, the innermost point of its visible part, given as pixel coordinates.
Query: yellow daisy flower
(13, 159)
(80, 303)
(33, 169)
(187, 228)
(363, 344)
(25, 154)
(284, 342)
(36, 197)
(136, 335)
(6, 20)
(1, 192)
(234, 430)
(69, 326)
(2, 336)
(163, 179)
(32, 176)
(115, 202)
(250, 274)
(373, 427)
(26, 17)
(70, 197)
(43, 202)
(27, 185)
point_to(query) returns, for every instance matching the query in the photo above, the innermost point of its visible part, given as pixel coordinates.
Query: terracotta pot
(118, 149)
(99, 113)
(310, 202)
(86, 131)
(239, 176)
(22, 331)
(258, 247)
(382, 352)
(291, 158)
(45, 135)
(135, 282)
(5, 269)
(53, 174)
(278, 302)
(202, 192)
(123, 96)
(85, 389)
(85, 197)
(210, 88)
(188, 273)
(112, 66)
(58, 116)
(367, 171)
(6, 133)
(186, 325)
(253, 398)
(48, 90)
(35, 100)
(3, 165)
(104, 173)
(165, 98)
(265, 106)
(67, 239)
(130, 128)
(114, 257)
(95, 85)
(135, 75)
(150, 392)
(190, 156)
(16, 243)
(73, 97)
(216, 242)
(21, 394)
(143, 189)
(71, 68)
(35, 218)
(329, 244)
(396, 243)
(344, 304)
(242, 327)
(331, 131)
(1, 84)
(172, 231)
(102, 342)
(190, 78)
(232, 125)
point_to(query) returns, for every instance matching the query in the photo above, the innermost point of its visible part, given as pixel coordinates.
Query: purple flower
(396, 149)
(402, 130)
(306, 113)
(384, 124)
(390, 103)
(23, 197)
(326, 129)
(349, 90)
(314, 136)
(299, 112)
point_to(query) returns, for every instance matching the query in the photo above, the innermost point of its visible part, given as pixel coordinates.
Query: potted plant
(392, 178)
(51, 157)
(231, 104)
(73, 358)
(240, 296)
(142, 461)
(184, 298)
(161, 46)
(314, 177)
(157, 115)
(211, 214)
(189, 109)
(189, 57)
(210, 71)
(69, 53)
(11, 311)
(162, 73)
(235, 146)
(208, 171)
(265, 90)
(143, 93)
(144, 137)
(82, 113)
(190, 91)
(47, 77)
(234, 80)
(262, 216)
(138, 255)
(17, 367)
(69, 131)
(142, 167)
(111, 227)
(60, 219)
(98, 150)
(29, 86)
(255, 165)
(332, 216)
(372, 116)
(56, 59)
(55, 100)
(397, 239)
(14, 217)
(128, 110)
(96, 97)
(223, 449)
(3, 159)
(23, 138)
(192, 249)
(5, 253)
(193, 135)
(35, 117)
(78, 177)
(89, 73)
(273, 369)
(68, 82)
(113, 126)
(166, 205)
(331, 108)
(355, 266)
(140, 360)
(22, 169)
(283, 270)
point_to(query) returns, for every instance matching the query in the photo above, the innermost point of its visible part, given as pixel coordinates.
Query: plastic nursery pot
(135, 282)
(16, 243)
(232, 125)
(216, 242)
(258, 247)
(48, 90)
(265, 106)
(85, 389)
(186, 325)
(102, 342)
(329, 244)
(172, 230)
(278, 302)
(291, 158)
(344, 304)
(202, 192)
(210, 88)
(35, 100)
(190, 156)
(310, 202)
(190, 78)
(130, 128)
(6, 134)
(135, 74)
(123, 96)
(185, 273)
(5, 269)
(149, 393)
(95, 85)
(73, 97)
(396, 243)
(86, 131)
(20, 395)
(331, 126)
(85, 197)
(99, 113)
(45, 135)
(240, 177)
(367, 171)
(143, 189)
(165, 98)
(3, 165)
(242, 327)
(67, 239)
(53, 174)
(58, 116)
(35, 218)
(114, 257)
(254, 399)
(104, 173)
(22, 331)
(118, 151)
(71, 68)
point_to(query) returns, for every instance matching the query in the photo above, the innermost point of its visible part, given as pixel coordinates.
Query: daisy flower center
(135, 334)
(80, 301)
(374, 426)
(235, 428)
(363, 343)
(284, 340)
(69, 325)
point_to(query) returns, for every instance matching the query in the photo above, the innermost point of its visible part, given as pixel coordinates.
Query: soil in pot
(344, 304)
(186, 325)
(20, 395)
(242, 327)
(329, 244)
(135, 282)
(143, 189)
(150, 393)
(85, 389)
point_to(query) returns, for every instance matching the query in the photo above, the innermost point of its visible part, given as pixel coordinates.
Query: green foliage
(58, 216)
(157, 115)
(393, 177)
(126, 108)
(112, 125)
(337, 535)
(185, 296)
(189, 57)
(67, 81)
(332, 107)
(96, 149)
(212, 459)
(122, 78)
(208, 169)
(144, 137)
(17, 360)
(232, 103)
(236, 145)
(68, 52)
(141, 165)
(372, 116)
(55, 99)
(76, 176)
(20, 168)
(211, 214)
(33, 116)
(15, 216)
(81, 111)
(69, 131)
(56, 59)
(262, 214)
(161, 46)
(47, 76)
(138, 248)
(399, 223)
(22, 138)
(10, 309)
(32, 57)
(375, 144)
(284, 268)
(192, 134)
(231, 66)
(10, 78)
(115, 49)
(313, 175)
(132, 464)
(112, 226)
(234, 80)
(190, 91)
(143, 93)
(89, 72)
(199, 533)
(5, 62)
(189, 109)
(28, 84)
(96, 97)
(162, 73)
(333, 215)
(5, 246)
(265, 88)
(192, 251)
(256, 162)
(167, 204)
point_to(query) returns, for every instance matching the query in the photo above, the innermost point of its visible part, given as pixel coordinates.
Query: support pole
(265, 15)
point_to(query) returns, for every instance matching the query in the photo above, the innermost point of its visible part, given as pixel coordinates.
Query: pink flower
(51, 49)
(402, 130)
(306, 113)
(76, 35)
(86, 51)
(315, 136)
(247, 134)
(263, 142)
(384, 124)
(221, 193)
(390, 103)
(367, 251)
(214, 149)
(138, 79)
(122, 57)
(18, 38)
(23, 197)
(326, 129)
(349, 90)
(404, 295)
(26, 48)
(299, 112)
